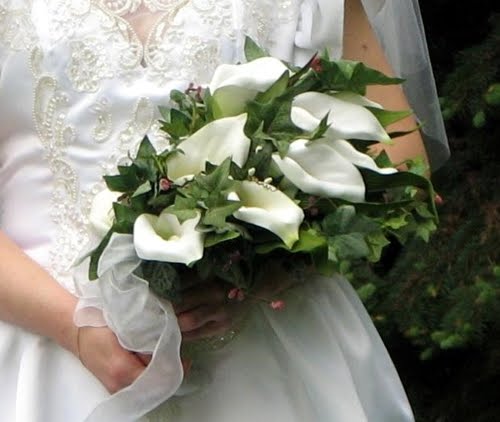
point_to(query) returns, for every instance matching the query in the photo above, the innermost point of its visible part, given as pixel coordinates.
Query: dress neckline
(166, 10)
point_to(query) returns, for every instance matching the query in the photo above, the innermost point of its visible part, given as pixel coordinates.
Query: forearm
(361, 44)
(32, 299)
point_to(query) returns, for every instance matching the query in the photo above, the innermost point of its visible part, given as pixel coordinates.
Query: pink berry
(165, 184)
(277, 305)
(240, 296)
(233, 293)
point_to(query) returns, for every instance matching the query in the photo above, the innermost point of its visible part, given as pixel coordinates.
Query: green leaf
(144, 188)
(212, 239)
(96, 255)
(125, 217)
(339, 221)
(253, 51)
(218, 180)
(349, 246)
(146, 149)
(178, 124)
(376, 242)
(217, 216)
(376, 182)
(275, 90)
(366, 291)
(425, 229)
(163, 279)
(388, 117)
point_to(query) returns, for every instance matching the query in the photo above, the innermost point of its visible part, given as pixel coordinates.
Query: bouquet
(268, 163)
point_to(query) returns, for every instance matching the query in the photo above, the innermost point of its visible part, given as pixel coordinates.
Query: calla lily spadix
(348, 117)
(327, 168)
(214, 143)
(267, 207)
(232, 86)
(164, 238)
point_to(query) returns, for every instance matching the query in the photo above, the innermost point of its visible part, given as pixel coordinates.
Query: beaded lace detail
(187, 43)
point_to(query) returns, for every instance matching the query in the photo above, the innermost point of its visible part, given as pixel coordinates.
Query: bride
(80, 83)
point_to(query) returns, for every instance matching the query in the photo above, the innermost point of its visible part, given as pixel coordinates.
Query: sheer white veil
(398, 24)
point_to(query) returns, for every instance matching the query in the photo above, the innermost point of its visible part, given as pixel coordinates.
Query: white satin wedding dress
(77, 91)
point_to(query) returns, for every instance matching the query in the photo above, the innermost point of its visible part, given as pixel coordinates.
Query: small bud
(259, 149)
(277, 305)
(237, 294)
(438, 199)
(268, 180)
(240, 296)
(251, 172)
(316, 64)
(165, 184)
(233, 293)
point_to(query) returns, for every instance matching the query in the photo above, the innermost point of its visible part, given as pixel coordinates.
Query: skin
(30, 298)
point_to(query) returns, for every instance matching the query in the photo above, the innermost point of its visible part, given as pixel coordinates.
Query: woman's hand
(102, 354)
(205, 310)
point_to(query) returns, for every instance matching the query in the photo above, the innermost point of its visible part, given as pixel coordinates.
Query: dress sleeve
(320, 25)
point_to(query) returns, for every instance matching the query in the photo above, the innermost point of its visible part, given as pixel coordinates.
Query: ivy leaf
(213, 238)
(275, 90)
(163, 279)
(142, 189)
(253, 51)
(425, 229)
(376, 242)
(339, 221)
(348, 246)
(216, 217)
(177, 125)
(387, 117)
(125, 217)
(320, 131)
(96, 255)
(218, 180)
(146, 149)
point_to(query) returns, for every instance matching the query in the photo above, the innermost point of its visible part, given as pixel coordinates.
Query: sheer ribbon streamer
(142, 322)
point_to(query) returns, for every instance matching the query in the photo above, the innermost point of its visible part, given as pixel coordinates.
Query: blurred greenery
(438, 306)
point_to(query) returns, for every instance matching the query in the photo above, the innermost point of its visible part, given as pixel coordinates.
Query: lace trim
(103, 46)
(124, 7)
(16, 29)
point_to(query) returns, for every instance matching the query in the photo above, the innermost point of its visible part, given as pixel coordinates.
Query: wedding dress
(78, 91)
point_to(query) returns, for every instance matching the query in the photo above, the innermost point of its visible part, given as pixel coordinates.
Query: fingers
(145, 358)
(102, 354)
(207, 294)
(211, 329)
(123, 371)
(198, 317)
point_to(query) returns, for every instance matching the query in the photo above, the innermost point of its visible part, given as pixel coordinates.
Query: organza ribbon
(142, 322)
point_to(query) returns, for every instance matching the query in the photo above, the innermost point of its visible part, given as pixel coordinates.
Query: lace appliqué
(124, 7)
(50, 112)
(16, 28)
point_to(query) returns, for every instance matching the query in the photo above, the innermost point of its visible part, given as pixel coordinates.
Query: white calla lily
(214, 143)
(164, 238)
(232, 86)
(327, 168)
(101, 212)
(269, 208)
(348, 117)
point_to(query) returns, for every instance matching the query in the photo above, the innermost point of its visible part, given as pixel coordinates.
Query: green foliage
(438, 307)
(471, 92)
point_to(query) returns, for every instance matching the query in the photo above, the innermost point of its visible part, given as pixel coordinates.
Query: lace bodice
(79, 90)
